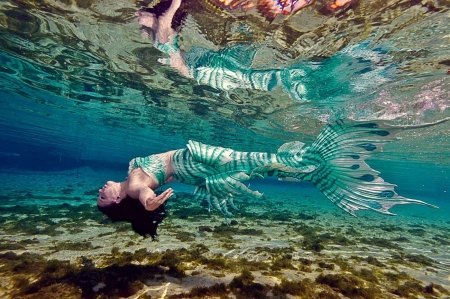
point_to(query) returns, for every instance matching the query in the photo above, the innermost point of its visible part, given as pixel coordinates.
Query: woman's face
(109, 194)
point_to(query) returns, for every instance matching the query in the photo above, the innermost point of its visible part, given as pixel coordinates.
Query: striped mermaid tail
(342, 173)
(334, 163)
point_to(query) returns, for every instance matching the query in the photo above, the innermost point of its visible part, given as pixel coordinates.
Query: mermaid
(226, 69)
(334, 163)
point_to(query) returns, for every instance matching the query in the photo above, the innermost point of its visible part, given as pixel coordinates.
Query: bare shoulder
(137, 178)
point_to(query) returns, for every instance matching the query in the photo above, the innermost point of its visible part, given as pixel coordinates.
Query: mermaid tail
(292, 83)
(334, 163)
(231, 168)
(343, 175)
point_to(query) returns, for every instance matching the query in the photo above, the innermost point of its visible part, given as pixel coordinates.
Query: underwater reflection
(226, 69)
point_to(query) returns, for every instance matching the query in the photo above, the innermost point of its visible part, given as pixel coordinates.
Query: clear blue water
(82, 93)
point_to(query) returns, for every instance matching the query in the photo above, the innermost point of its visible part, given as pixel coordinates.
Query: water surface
(82, 93)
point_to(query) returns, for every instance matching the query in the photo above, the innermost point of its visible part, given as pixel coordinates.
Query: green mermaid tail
(343, 175)
(231, 170)
(334, 163)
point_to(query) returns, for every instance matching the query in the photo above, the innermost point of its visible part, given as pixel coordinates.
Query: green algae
(234, 222)
(395, 277)
(293, 287)
(343, 264)
(123, 277)
(229, 245)
(391, 228)
(241, 286)
(413, 288)
(244, 287)
(374, 261)
(75, 246)
(420, 259)
(283, 262)
(204, 228)
(192, 213)
(313, 244)
(218, 290)
(315, 240)
(420, 232)
(367, 275)
(349, 286)
(380, 242)
(178, 263)
(400, 239)
(40, 220)
(275, 215)
(441, 239)
(352, 232)
(185, 236)
(10, 246)
(325, 265)
(337, 239)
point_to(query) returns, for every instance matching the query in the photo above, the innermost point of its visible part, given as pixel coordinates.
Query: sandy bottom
(293, 243)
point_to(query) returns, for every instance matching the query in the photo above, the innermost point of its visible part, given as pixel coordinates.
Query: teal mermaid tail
(292, 80)
(231, 168)
(343, 175)
(334, 163)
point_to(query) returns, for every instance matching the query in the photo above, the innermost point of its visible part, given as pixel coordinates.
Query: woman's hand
(153, 202)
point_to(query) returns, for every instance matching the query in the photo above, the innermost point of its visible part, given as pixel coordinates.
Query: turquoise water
(83, 91)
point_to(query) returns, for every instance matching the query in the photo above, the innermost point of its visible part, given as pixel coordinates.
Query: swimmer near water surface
(334, 163)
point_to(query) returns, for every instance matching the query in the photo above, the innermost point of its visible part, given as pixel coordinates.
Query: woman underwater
(226, 69)
(334, 163)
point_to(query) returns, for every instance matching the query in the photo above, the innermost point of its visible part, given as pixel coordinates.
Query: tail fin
(343, 175)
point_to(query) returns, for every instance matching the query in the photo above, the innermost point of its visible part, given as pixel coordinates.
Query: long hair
(131, 210)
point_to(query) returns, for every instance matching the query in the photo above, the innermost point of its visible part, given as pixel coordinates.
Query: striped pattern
(231, 68)
(343, 175)
(229, 78)
(334, 163)
(189, 171)
(153, 165)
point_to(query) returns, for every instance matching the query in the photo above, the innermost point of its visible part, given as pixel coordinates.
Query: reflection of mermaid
(227, 69)
(334, 163)
(269, 8)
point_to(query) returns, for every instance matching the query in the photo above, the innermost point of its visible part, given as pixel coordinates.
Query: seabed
(55, 244)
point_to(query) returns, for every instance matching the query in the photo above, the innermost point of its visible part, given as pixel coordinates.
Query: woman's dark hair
(131, 210)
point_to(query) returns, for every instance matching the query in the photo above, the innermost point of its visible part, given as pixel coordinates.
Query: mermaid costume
(153, 165)
(231, 68)
(334, 163)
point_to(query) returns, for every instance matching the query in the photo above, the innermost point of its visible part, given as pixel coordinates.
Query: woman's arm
(168, 15)
(164, 29)
(150, 201)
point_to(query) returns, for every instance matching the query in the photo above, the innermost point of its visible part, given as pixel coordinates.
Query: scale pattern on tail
(229, 169)
(343, 175)
(335, 163)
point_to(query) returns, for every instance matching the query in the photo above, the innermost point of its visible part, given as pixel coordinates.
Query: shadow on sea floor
(287, 246)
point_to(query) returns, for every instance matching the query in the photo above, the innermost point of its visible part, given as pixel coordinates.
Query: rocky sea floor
(56, 244)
